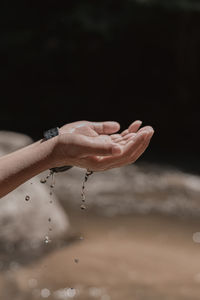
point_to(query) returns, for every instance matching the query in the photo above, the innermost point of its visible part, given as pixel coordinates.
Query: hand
(96, 146)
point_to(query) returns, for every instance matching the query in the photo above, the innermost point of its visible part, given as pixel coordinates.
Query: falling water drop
(53, 179)
(27, 198)
(83, 197)
(49, 175)
(47, 240)
(83, 207)
(71, 293)
(45, 293)
(43, 180)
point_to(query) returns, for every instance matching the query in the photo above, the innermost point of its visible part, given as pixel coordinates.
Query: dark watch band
(48, 135)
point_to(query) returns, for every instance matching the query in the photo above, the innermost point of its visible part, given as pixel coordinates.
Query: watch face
(51, 133)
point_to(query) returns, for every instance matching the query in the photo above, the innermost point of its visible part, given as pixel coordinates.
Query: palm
(96, 130)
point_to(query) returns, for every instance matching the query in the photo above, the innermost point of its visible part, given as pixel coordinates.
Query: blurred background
(122, 60)
(63, 61)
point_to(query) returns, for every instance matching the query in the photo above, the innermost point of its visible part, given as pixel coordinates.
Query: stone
(138, 188)
(12, 141)
(24, 213)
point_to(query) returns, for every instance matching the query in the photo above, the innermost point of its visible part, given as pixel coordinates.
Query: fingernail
(151, 133)
(116, 150)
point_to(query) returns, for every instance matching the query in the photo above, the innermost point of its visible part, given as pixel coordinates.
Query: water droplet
(50, 229)
(43, 180)
(76, 260)
(81, 238)
(50, 193)
(45, 293)
(47, 240)
(53, 180)
(83, 197)
(27, 198)
(71, 292)
(49, 219)
(50, 174)
(88, 173)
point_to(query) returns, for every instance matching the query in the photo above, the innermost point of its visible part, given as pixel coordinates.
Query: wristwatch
(47, 136)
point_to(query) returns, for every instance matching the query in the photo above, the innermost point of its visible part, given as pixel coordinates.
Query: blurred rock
(30, 213)
(11, 141)
(136, 188)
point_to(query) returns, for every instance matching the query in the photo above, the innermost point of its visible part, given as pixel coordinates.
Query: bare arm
(83, 144)
(21, 165)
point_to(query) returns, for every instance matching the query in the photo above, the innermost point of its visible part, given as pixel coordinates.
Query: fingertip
(150, 131)
(135, 126)
(110, 127)
(116, 124)
(116, 150)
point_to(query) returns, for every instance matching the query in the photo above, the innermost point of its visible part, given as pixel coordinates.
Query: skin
(95, 146)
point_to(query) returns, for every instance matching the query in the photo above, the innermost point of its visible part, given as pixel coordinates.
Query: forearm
(20, 166)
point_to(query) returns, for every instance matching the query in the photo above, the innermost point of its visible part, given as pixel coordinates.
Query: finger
(108, 127)
(124, 140)
(124, 132)
(127, 131)
(135, 126)
(129, 136)
(99, 148)
(141, 148)
(134, 143)
(115, 136)
(139, 151)
(145, 128)
(127, 151)
(123, 143)
(132, 128)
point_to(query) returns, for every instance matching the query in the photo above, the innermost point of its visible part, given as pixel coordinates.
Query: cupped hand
(97, 146)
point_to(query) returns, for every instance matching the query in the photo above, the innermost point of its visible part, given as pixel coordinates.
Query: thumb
(100, 148)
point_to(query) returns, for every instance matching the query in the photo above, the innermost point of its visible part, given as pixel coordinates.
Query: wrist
(56, 158)
(49, 148)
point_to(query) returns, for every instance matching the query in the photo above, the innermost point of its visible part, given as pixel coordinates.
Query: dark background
(63, 61)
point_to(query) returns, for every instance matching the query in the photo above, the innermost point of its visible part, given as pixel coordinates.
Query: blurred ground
(138, 239)
(133, 257)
